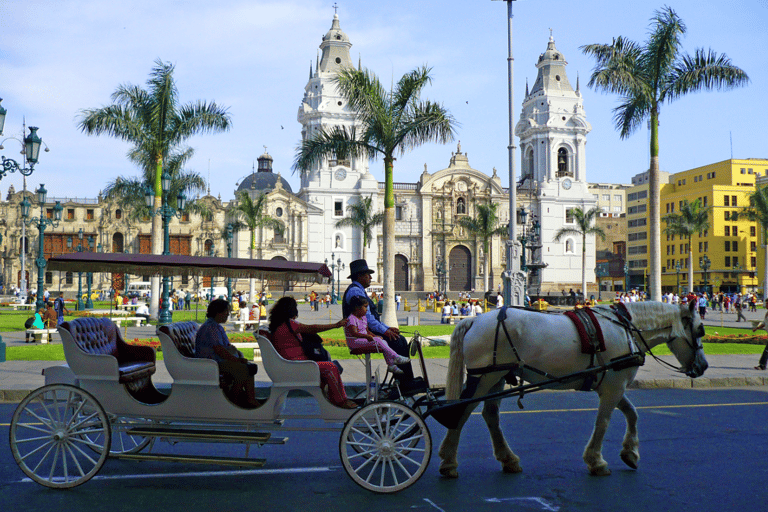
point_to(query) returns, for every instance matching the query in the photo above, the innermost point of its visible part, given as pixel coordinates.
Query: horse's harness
(618, 315)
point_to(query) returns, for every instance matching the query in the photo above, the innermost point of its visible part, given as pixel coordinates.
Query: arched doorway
(279, 284)
(401, 273)
(460, 269)
(117, 243)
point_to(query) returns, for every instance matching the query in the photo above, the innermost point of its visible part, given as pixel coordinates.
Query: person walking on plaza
(738, 306)
(702, 305)
(761, 365)
(60, 308)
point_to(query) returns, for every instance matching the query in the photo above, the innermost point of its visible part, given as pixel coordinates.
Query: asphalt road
(701, 450)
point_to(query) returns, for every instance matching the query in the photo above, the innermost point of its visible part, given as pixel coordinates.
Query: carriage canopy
(174, 264)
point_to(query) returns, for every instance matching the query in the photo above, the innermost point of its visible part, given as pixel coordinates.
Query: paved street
(700, 450)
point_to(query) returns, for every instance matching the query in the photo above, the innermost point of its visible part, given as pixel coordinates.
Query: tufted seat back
(183, 336)
(94, 335)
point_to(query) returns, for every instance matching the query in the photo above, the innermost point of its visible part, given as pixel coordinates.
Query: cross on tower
(335, 8)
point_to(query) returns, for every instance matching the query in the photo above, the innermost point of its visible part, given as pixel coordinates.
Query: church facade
(433, 251)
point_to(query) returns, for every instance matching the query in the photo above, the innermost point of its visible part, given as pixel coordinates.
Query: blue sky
(253, 56)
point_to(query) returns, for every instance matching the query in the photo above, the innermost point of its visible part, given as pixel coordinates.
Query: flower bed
(749, 339)
(148, 342)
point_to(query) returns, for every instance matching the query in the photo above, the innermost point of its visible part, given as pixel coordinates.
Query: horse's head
(688, 348)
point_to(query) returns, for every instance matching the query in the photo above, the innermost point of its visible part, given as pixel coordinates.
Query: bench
(43, 334)
(458, 318)
(22, 306)
(96, 351)
(128, 306)
(240, 325)
(137, 320)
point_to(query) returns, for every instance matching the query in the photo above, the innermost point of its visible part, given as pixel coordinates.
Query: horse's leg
(449, 447)
(630, 453)
(510, 463)
(610, 393)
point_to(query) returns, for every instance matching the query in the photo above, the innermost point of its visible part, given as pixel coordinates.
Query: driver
(211, 342)
(360, 275)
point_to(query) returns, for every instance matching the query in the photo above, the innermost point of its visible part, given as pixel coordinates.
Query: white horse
(550, 343)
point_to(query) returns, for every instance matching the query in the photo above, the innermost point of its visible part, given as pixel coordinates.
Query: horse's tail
(455, 378)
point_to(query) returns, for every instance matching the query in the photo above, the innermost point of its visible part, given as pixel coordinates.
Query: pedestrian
(764, 356)
(397, 301)
(500, 301)
(702, 305)
(60, 308)
(738, 306)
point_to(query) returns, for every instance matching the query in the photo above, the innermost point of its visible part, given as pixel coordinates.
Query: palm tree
(648, 76)
(361, 216)
(390, 124)
(484, 227)
(156, 125)
(692, 219)
(757, 211)
(254, 213)
(584, 227)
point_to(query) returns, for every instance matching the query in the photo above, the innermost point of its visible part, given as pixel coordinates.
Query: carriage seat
(183, 336)
(100, 336)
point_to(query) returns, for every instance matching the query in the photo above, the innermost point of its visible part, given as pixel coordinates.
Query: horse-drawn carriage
(103, 403)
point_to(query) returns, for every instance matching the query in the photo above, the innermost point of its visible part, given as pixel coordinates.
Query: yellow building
(731, 244)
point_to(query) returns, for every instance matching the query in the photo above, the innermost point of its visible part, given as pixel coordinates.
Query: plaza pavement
(18, 378)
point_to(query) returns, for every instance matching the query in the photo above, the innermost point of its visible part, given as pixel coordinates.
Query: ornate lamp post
(229, 233)
(677, 270)
(79, 248)
(332, 266)
(339, 268)
(626, 277)
(212, 254)
(31, 144)
(704, 263)
(89, 277)
(41, 222)
(166, 211)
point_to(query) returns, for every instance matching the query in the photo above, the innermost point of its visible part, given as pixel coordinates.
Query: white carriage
(103, 403)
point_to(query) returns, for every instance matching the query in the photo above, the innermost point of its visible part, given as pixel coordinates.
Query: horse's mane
(657, 315)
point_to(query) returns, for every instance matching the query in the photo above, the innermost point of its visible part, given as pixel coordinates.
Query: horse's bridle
(694, 343)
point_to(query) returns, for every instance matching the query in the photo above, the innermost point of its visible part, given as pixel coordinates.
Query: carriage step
(202, 435)
(199, 459)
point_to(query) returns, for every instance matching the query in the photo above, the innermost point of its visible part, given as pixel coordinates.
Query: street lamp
(332, 266)
(31, 144)
(89, 277)
(79, 248)
(339, 268)
(704, 263)
(212, 254)
(166, 211)
(626, 277)
(229, 232)
(41, 222)
(677, 270)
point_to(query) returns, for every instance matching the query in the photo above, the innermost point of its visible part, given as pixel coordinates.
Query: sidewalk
(18, 378)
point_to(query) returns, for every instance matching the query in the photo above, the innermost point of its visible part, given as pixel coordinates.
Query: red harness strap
(589, 330)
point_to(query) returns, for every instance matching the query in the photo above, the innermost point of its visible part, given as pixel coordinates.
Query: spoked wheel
(60, 436)
(385, 447)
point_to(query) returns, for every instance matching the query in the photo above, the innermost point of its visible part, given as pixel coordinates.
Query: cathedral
(433, 251)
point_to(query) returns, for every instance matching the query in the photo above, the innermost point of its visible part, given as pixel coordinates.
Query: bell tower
(553, 130)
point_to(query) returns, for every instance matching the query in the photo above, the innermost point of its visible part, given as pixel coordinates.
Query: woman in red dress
(286, 337)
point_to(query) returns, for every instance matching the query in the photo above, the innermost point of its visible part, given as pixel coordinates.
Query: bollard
(2, 350)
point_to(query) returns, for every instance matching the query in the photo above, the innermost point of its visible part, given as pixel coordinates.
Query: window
(617, 209)
(727, 245)
(733, 201)
(701, 246)
(89, 214)
(118, 214)
(704, 202)
(569, 216)
(279, 237)
(562, 162)
(70, 214)
(735, 231)
(753, 246)
(673, 250)
(338, 209)
(606, 197)
(752, 231)
(636, 223)
(727, 231)
(735, 245)
(617, 199)
(399, 211)
(727, 261)
(706, 246)
(726, 201)
(753, 262)
(185, 217)
(185, 280)
(727, 215)
(49, 213)
(735, 261)
(743, 171)
(278, 212)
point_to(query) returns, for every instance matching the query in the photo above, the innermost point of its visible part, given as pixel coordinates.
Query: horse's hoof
(449, 472)
(600, 471)
(630, 459)
(512, 467)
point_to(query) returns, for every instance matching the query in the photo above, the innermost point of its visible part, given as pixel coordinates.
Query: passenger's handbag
(312, 345)
(29, 322)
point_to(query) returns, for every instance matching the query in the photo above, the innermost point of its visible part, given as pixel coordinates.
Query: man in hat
(360, 275)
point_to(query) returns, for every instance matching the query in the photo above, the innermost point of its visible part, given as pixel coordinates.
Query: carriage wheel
(385, 447)
(54, 432)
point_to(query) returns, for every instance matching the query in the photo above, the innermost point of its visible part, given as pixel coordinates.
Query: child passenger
(358, 335)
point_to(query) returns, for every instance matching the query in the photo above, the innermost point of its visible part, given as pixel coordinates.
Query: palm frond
(705, 69)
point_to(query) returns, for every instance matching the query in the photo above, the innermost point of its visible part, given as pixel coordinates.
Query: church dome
(335, 33)
(264, 180)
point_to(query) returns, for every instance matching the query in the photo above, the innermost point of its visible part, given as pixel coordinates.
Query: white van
(218, 291)
(138, 288)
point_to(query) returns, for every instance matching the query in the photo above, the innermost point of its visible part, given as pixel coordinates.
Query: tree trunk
(157, 239)
(765, 268)
(252, 281)
(485, 266)
(584, 266)
(654, 211)
(389, 316)
(690, 265)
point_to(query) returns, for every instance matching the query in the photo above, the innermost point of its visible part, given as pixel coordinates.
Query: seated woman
(211, 342)
(286, 337)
